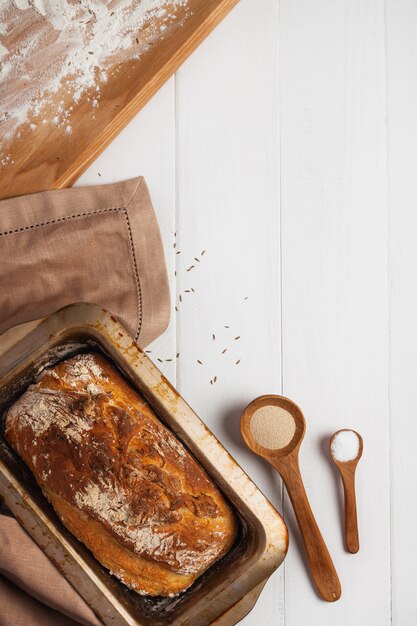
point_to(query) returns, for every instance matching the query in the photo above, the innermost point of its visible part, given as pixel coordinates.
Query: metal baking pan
(229, 589)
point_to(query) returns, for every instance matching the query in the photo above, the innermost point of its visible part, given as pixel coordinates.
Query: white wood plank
(335, 320)
(147, 147)
(402, 168)
(228, 205)
(334, 285)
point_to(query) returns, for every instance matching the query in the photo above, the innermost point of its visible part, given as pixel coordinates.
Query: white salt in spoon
(346, 448)
(273, 427)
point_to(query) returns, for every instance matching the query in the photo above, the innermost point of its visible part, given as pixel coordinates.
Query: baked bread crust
(118, 479)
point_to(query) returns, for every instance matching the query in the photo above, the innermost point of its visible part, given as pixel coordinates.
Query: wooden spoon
(285, 461)
(347, 471)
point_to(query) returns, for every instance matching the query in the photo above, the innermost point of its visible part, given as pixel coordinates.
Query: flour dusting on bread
(118, 478)
(39, 409)
(82, 369)
(112, 506)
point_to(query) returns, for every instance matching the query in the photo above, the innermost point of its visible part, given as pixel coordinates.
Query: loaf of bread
(119, 480)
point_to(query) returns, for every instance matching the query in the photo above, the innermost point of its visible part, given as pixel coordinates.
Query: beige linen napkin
(32, 591)
(96, 244)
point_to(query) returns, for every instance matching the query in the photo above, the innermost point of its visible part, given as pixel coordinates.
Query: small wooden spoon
(285, 461)
(347, 471)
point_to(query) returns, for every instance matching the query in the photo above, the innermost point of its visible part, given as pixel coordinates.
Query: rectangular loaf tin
(224, 594)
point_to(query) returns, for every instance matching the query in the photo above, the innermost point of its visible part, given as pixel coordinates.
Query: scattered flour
(53, 51)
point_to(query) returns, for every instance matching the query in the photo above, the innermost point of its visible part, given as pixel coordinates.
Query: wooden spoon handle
(321, 565)
(351, 518)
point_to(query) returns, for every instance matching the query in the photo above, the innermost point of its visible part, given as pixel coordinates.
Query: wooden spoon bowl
(285, 461)
(282, 403)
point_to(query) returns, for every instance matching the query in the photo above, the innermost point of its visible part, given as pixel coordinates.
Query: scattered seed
(186, 290)
(175, 272)
(227, 326)
(178, 354)
(190, 268)
(224, 350)
(193, 290)
(214, 379)
(179, 252)
(214, 337)
(176, 308)
(211, 382)
(168, 360)
(99, 173)
(160, 360)
(237, 362)
(246, 298)
(137, 40)
(180, 298)
(175, 245)
(202, 253)
(175, 234)
(238, 337)
(148, 351)
(198, 361)
(195, 259)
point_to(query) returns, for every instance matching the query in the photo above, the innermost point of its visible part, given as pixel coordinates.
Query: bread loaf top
(118, 478)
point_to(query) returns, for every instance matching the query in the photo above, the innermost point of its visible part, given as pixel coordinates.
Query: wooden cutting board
(44, 152)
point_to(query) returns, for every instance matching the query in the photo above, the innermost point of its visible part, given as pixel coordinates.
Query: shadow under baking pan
(214, 593)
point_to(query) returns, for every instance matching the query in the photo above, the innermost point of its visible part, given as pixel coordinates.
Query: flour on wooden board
(52, 52)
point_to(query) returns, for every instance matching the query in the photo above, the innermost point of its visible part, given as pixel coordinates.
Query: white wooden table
(286, 147)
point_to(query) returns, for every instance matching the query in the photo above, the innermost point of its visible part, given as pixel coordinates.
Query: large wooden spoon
(285, 461)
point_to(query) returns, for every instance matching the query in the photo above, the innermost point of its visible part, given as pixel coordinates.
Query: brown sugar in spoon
(346, 447)
(274, 427)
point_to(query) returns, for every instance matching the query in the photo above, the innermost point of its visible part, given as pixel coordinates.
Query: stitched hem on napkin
(100, 244)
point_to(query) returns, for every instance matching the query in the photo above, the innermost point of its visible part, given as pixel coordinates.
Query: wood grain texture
(228, 204)
(285, 461)
(334, 285)
(321, 566)
(53, 160)
(402, 199)
(351, 515)
(332, 177)
(347, 470)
